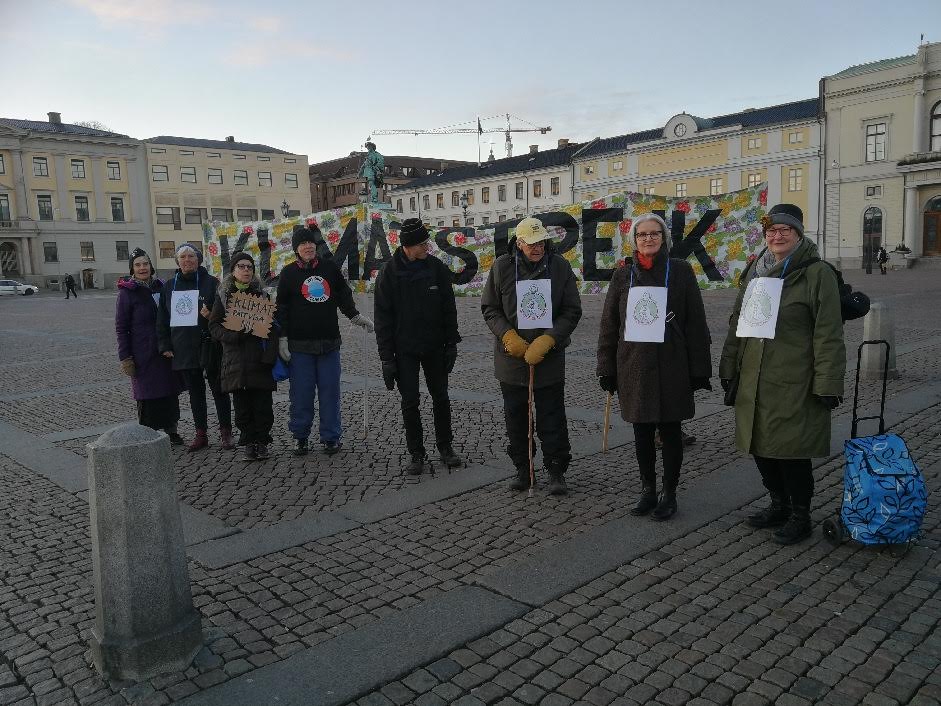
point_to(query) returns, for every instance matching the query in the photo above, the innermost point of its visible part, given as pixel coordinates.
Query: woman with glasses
(653, 351)
(247, 361)
(785, 374)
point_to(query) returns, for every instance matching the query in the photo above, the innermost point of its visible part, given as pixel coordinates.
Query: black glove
(609, 383)
(701, 384)
(726, 383)
(830, 401)
(450, 357)
(389, 371)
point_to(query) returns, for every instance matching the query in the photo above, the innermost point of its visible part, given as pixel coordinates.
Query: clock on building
(680, 129)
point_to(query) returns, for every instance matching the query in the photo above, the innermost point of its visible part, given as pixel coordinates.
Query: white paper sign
(646, 315)
(156, 297)
(534, 304)
(184, 308)
(758, 317)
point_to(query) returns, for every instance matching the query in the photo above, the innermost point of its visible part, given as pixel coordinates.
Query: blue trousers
(310, 375)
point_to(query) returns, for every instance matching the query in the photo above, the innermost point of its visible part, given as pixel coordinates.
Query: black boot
(251, 453)
(775, 515)
(798, 527)
(521, 479)
(556, 470)
(666, 508)
(647, 500)
(300, 447)
(449, 458)
(417, 464)
(262, 451)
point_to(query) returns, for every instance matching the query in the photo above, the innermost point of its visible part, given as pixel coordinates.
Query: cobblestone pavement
(718, 615)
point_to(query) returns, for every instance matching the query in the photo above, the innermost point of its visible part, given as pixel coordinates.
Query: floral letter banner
(716, 234)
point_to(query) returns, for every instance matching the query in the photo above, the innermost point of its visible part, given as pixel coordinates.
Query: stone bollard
(879, 324)
(145, 622)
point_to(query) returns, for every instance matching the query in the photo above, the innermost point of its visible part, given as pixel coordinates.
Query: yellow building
(692, 156)
(72, 200)
(193, 180)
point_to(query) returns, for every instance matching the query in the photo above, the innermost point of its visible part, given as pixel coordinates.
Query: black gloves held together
(389, 371)
(725, 382)
(831, 402)
(609, 383)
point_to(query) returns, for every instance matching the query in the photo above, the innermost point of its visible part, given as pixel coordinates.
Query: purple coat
(135, 323)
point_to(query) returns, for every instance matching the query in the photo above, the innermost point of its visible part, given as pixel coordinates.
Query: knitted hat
(787, 214)
(531, 231)
(413, 232)
(189, 246)
(238, 257)
(302, 235)
(136, 253)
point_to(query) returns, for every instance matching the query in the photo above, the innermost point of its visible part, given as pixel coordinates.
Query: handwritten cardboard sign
(250, 313)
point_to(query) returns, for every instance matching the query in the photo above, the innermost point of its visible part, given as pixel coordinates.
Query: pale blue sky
(317, 77)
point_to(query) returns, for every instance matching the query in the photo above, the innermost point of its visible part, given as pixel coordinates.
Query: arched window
(934, 204)
(872, 231)
(936, 127)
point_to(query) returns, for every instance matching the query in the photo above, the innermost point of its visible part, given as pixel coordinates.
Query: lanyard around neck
(178, 274)
(666, 279)
(516, 265)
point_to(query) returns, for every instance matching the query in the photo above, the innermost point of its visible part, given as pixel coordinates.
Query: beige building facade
(883, 158)
(72, 200)
(195, 180)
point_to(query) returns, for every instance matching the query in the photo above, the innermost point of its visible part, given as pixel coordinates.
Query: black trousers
(197, 389)
(551, 425)
(254, 415)
(72, 290)
(671, 449)
(160, 413)
(436, 377)
(790, 477)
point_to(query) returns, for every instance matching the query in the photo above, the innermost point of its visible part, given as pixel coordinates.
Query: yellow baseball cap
(531, 231)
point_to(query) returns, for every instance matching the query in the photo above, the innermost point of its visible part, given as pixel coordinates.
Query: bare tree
(94, 125)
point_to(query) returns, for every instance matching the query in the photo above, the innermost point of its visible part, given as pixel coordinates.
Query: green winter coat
(777, 413)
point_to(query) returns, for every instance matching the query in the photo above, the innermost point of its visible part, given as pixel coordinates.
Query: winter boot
(251, 453)
(200, 442)
(449, 458)
(798, 527)
(175, 438)
(417, 464)
(556, 470)
(647, 500)
(300, 447)
(262, 451)
(666, 508)
(775, 515)
(521, 479)
(225, 434)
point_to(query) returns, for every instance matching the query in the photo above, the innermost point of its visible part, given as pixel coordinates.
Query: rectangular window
(81, 208)
(45, 207)
(875, 142)
(167, 249)
(470, 197)
(213, 155)
(159, 173)
(267, 214)
(222, 214)
(537, 187)
(648, 191)
(795, 179)
(411, 203)
(501, 192)
(195, 216)
(87, 250)
(78, 168)
(5, 209)
(681, 189)
(40, 166)
(455, 198)
(263, 159)
(439, 201)
(441, 223)
(186, 153)
(120, 250)
(485, 194)
(157, 150)
(426, 201)
(398, 205)
(246, 214)
(754, 179)
(501, 218)
(238, 156)
(554, 186)
(3, 168)
(240, 177)
(114, 171)
(290, 160)
(588, 170)
(872, 191)
(486, 220)
(754, 143)
(519, 190)
(117, 209)
(264, 178)
(470, 222)
(618, 165)
(215, 176)
(715, 187)
(169, 215)
(290, 181)
(188, 175)
(456, 223)
(795, 138)
(50, 252)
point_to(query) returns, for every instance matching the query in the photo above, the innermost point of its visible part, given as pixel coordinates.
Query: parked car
(11, 286)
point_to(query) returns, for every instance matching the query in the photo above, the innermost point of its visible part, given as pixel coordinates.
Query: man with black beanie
(310, 290)
(416, 327)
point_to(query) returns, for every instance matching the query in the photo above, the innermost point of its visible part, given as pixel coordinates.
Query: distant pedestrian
(532, 306)
(416, 328)
(247, 361)
(310, 291)
(154, 384)
(882, 257)
(659, 361)
(69, 282)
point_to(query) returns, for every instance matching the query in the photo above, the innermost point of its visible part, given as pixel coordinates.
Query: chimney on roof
(55, 118)
(230, 138)
(533, 149)
(563, 142)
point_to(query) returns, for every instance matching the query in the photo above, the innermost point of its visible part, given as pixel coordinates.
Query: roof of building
(875, 66)
(508, 165)
(58, 128)
(753, 117)
(213, 144)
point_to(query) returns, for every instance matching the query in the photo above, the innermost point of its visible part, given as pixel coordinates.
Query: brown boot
(225, 433)
(200, 442)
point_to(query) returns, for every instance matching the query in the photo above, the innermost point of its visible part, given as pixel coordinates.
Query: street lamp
(464, 205)
(285, 208)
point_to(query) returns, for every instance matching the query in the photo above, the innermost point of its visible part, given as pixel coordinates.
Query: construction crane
(454, 129)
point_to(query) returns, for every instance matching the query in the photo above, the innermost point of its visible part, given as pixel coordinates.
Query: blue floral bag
(281, 371)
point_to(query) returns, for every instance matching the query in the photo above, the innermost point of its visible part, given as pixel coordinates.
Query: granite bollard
(879, 325)
(145, 622)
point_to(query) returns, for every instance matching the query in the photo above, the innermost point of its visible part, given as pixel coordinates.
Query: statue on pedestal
(372, 169)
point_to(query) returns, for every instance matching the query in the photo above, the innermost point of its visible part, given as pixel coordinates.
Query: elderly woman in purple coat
(154, 384)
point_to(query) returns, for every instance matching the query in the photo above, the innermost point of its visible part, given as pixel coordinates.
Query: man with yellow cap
(532, 306)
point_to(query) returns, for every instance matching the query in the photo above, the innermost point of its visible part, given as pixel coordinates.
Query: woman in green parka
(787, 385)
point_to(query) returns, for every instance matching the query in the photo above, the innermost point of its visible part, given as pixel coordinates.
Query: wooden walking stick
(607, 418)
(532, 470)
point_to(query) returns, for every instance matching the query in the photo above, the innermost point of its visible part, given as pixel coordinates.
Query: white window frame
(681, 190)
(715, 186)
(754, 179)
(795, 179)
(156, 173)
(77, 167)
(754, 143)
(114, 170)
(876, 144)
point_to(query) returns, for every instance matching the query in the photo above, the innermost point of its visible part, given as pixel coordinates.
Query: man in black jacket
(416, 327)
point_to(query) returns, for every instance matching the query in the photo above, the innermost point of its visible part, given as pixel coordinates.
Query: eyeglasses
(244, 266)
(649, 236)
(780, 230)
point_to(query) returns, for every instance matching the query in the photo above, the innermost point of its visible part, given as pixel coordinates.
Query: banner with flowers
(716, 234)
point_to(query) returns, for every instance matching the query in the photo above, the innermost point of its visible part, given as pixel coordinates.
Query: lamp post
(464, 206)
(285, 208)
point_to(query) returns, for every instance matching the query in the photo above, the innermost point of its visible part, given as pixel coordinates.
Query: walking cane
(532, 470)
(607, 418)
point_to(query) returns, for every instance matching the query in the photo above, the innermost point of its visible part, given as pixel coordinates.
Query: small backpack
(853, 305)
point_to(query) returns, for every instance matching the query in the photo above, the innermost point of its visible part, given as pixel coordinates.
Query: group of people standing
(782, 363)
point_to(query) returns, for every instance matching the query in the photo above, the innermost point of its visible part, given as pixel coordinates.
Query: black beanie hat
(238, 257)
(136, 253)
(787, 214)
(199, 253)
(302, 235)
(413, 232)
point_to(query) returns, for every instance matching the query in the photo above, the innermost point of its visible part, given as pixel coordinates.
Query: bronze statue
(372, 169)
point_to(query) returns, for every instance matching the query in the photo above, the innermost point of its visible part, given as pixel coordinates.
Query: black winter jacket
(308, 299)
(414, 307)
(186, 342)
